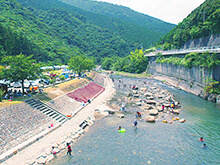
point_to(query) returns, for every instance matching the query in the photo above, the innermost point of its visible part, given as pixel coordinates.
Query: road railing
(214, 49)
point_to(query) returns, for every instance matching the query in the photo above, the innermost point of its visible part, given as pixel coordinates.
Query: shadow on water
(152, 143)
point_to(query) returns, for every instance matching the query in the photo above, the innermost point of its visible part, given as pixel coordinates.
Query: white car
(35, 82)
(4, 81)
(27, 84)
(17, 85)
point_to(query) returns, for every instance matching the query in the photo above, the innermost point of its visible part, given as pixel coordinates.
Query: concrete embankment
(39, 152)
(190, 80)
(188, 86)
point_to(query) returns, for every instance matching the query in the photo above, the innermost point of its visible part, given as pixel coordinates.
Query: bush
(212, 86)
(62, 77)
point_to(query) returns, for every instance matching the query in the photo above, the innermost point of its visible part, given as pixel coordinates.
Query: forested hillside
(23, 33)
(203, 21)
(133, 34)
(55, 31)
(124, 13)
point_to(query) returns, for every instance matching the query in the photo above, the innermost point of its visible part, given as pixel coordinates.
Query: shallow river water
(152, 143)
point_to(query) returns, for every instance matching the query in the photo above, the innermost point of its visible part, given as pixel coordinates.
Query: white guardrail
(215, 49)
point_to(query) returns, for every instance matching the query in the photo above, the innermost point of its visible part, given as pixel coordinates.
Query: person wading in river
(135, 124)
(69, 150)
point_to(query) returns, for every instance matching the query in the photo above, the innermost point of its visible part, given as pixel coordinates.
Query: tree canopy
(53, 32)
(19, 68)
(80, 63)
(136, 62)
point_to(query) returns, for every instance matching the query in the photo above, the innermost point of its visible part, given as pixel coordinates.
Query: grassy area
(52, 91)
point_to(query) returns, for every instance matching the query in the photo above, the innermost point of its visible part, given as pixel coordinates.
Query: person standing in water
(69, 150)
(135, 124)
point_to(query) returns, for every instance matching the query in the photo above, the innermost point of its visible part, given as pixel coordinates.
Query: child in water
(201, 139)
(119, 128)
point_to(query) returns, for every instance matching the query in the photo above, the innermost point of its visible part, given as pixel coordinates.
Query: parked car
(35, 82)
(47, 82)
(4, 81)
(17, 85)
(27, 84)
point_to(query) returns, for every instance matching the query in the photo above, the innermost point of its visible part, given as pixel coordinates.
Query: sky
(172, 11)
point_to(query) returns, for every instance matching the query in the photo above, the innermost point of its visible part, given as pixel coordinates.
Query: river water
(152, 143)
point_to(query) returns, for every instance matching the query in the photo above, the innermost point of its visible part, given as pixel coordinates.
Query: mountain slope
(44, 45)
(203, 21)
(58, 35)
(124, 13)
(133, 34)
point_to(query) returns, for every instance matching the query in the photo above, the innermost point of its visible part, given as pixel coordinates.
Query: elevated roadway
(180, 52)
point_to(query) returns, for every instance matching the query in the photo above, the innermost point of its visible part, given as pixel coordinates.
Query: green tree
(138, 62)
(20, 68)
(80, 63)
(107, 63)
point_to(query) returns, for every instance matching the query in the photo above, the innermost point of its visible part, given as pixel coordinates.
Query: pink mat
(88, 92)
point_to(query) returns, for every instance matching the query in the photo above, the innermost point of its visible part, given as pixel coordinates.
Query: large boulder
(150, 98)
(153, 112)
(148, 94)
(136, 95)
(159, 96)
(151, 102)
(148, 107)
(121, 116)
(159, 108)
(150, 119)
(143, 89)
(176, 111)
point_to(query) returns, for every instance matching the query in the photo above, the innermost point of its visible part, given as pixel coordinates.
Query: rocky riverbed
(147, 97)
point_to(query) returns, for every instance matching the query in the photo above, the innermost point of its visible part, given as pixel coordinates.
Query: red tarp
(86, 93)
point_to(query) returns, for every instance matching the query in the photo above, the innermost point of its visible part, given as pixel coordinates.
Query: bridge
(177, 52)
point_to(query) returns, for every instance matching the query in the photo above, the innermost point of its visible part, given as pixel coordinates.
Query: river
(152, 143)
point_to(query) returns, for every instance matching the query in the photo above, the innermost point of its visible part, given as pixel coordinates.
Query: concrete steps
(49, 111)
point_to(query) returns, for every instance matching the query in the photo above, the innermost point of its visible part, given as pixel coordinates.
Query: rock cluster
(149, 98)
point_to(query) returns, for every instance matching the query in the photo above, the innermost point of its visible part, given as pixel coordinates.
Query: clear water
(152, 143)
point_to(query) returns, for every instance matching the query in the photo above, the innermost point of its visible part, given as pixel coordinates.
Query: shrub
(62, 77)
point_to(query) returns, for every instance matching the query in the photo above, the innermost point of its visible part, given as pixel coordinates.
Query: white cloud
(173, 11)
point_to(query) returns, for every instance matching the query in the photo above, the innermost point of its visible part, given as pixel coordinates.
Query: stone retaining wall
(191, 80)
(195, 74)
